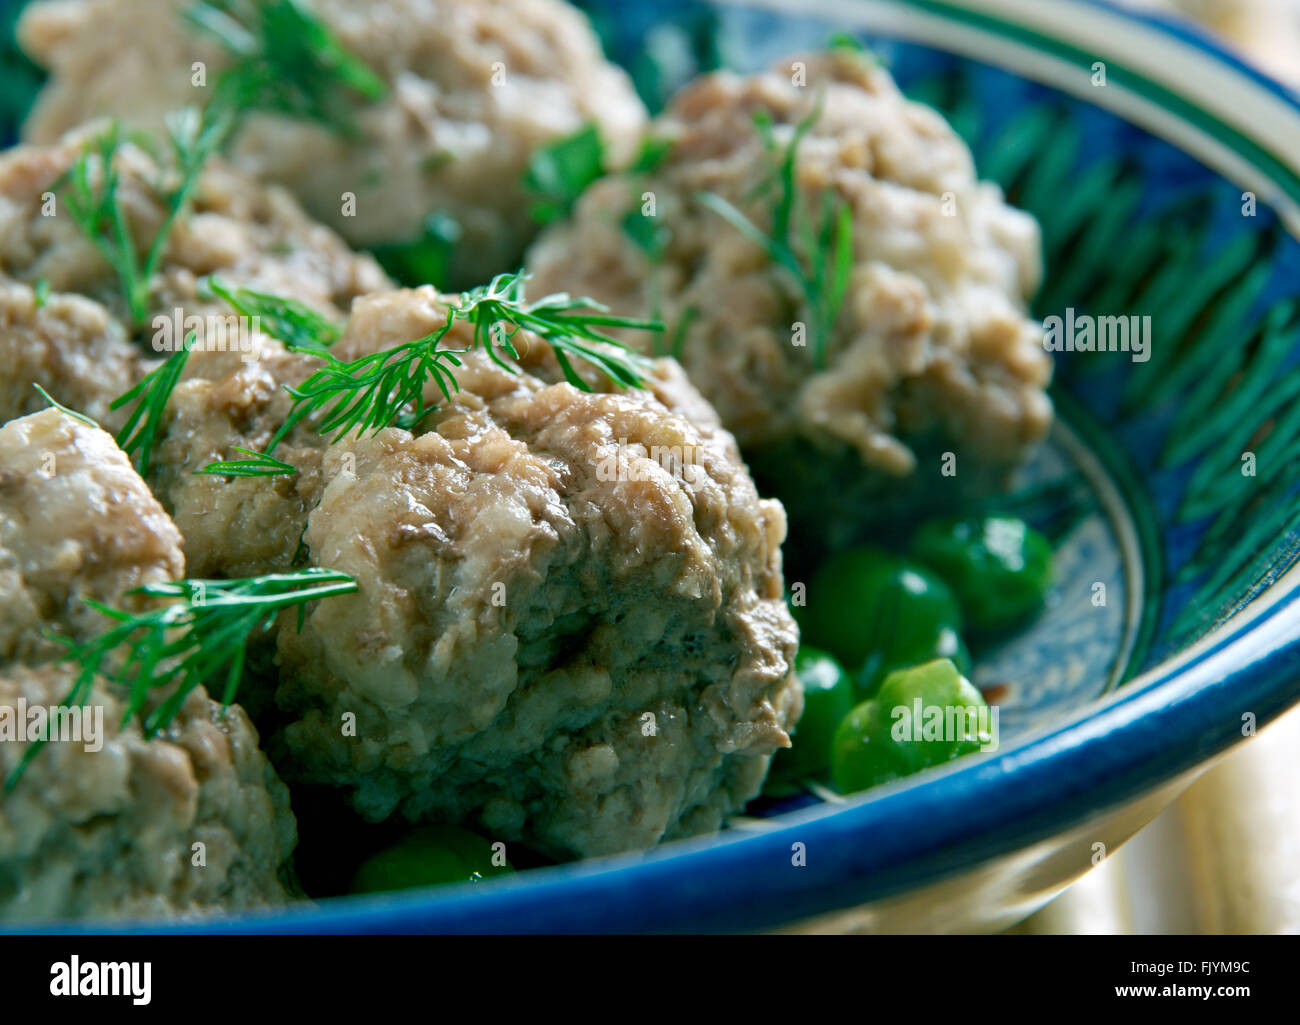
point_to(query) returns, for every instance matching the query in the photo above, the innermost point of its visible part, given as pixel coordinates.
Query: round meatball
(238, 526)
(475, 87)
(69, 345)
(569, 626)
(931, 338)
(103, 822)
(117, 826)
(245, 233)
(76, 522)
(80, 344)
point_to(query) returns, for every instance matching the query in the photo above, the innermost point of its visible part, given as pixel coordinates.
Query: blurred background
(1267, 31)
(1223, 859)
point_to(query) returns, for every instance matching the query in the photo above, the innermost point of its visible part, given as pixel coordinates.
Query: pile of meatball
(580, 661)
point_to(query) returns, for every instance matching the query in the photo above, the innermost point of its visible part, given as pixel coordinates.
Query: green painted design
(1217, 358)
(1119, 74)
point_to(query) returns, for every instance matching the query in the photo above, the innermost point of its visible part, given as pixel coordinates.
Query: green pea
(430, 856)
(827, 699)
(879, 612)
(911, 647)
(999, 567)
(923, 716)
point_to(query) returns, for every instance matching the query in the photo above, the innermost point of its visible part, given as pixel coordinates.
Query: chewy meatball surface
(474, 88)
(569, 627)
(104, 825)
(237, 526)
(932, 335)
(76, 522)
(71, 346)
(81, 346)
(110, 832)
(244, 232)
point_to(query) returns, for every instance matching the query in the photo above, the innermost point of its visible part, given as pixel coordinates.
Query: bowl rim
(1157, 727)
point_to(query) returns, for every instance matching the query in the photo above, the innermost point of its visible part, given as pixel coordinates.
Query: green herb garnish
(64, 409)
(200, 636)
(651, 154)
(818, 254)
(91, 187)
(139, 434)
(295, 324)
(426, 259)
(559, 173)
(286, 60)
(258, 465)
(844, 42)
(383, 388)
(41, 293)
(646, 233)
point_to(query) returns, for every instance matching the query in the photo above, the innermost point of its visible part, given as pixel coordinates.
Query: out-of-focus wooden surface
(1265, 31)
(1223, 859)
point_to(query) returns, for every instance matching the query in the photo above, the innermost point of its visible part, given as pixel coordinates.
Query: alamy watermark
(37, 724)
(628, 463)
(1085, 333)
(949, 723)
(77, 978)
(210, 333)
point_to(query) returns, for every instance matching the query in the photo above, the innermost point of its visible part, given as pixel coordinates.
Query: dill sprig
(286, 60)
(296, 324)
(139, 434)
(558, 173)
(92, 187)
(198, 637)
(92, 194)
(64, 409)
(259, 464)
(387, 387)
(816, 253)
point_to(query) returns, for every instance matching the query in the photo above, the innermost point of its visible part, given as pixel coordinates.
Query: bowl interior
(1171, 480)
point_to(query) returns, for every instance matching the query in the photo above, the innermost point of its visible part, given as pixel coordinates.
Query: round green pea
(999, 567)
(429, 856)
(878, 612)
(827, 699)
(912, 647)
(922, 716)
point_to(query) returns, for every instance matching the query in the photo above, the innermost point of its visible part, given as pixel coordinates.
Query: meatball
(69, 345)
(111, 828)
(243, 232)
(79, 343)
(931, 343)
(569, 626)
(238, 526)
(102, 821)
(81, 346)
(76, 522)
(475, 87)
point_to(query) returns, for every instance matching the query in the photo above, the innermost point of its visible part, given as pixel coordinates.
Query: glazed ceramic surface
(1166, 175)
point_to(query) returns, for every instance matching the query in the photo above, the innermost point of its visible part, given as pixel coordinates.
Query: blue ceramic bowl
(1166, 175)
